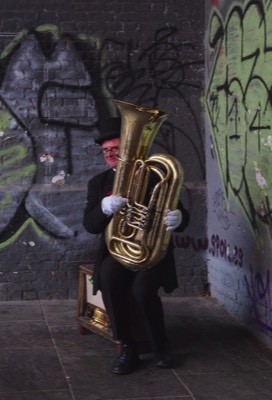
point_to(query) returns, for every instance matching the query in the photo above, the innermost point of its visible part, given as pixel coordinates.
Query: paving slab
(38, 395)
(30, 370)
(43, 357)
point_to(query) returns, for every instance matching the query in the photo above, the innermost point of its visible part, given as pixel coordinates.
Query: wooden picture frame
(91, 313)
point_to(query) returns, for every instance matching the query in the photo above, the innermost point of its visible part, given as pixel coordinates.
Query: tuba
(136, 235)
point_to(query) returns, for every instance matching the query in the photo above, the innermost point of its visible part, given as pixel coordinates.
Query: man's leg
(115, 282)
(145, 292)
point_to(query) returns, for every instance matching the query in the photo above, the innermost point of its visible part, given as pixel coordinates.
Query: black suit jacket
(95, 221)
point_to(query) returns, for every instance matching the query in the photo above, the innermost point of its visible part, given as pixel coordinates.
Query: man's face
(110, 149)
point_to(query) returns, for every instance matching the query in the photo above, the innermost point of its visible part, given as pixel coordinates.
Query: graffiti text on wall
(49, 110)
(239, 104)
(216, 246)
(259, 289)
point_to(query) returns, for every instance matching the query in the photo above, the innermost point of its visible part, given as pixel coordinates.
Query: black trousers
(120, 288)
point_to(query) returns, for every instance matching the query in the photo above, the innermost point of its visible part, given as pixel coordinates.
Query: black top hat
(109, 129)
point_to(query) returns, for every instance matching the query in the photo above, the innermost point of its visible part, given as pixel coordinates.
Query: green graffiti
(53, 30)
(239, 106)
(10, 177)
(13, 156)
(14, 170)
(11, 46)
(4, 120)
(6, 201)
(29, 222)
(49, 28)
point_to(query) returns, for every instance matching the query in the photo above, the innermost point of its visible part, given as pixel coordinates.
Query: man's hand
(173, 219)
(112, 204)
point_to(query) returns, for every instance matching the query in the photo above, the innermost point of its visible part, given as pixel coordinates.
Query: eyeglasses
(110, 149)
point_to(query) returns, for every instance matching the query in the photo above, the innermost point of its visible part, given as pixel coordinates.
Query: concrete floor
(43, 357)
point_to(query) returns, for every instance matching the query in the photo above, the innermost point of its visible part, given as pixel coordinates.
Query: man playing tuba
(121, 286)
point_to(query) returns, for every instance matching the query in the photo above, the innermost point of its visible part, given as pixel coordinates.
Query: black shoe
(164, 359)
(126, 361)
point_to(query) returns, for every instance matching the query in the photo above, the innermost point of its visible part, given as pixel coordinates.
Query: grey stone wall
(62, 63)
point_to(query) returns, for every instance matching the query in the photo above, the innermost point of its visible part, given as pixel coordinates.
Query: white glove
(173, 219)
(111, 204)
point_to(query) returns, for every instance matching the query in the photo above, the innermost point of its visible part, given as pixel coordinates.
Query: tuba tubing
(136, 235)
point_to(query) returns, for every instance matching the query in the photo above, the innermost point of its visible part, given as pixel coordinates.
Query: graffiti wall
(239, 150)
(55, 85)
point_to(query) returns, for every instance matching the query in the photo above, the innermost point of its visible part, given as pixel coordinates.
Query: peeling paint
(46, 157)
(259, 178)
(59, 179)
(30, 243)
(269, 142)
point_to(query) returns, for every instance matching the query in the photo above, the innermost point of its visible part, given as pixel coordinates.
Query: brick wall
(62, 63)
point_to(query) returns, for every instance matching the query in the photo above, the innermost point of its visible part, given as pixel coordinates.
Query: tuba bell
(136, 235)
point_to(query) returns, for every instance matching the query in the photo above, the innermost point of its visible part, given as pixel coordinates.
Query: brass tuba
(137, 236)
